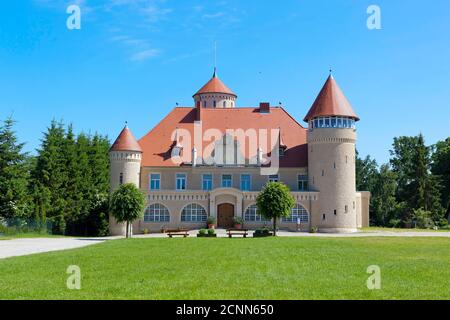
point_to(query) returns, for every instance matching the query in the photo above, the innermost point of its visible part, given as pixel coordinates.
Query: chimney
(194, 157)
(198, 116)
(264, 107)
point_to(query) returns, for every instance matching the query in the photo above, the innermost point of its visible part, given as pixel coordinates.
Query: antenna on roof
(126, 123)
(331, 72)
(215, 59)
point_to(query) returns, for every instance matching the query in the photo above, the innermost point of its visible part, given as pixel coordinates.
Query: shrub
(211, 232)
(313, 230)
(211, 220)
(203, 232)
(423, 219)
(238, 220)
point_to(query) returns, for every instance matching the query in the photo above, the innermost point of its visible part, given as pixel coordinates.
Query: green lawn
(271, 268)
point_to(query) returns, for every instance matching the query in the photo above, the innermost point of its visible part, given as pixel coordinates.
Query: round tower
(331, 159)
(215, 94)
(125, 167)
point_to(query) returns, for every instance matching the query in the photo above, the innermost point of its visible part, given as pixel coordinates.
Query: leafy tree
(366, 173)
(127, 205)
(441, 167)
(14, 174)
(384, 203)
(275, 201)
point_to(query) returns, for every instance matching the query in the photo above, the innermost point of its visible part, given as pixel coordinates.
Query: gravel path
(26, 246)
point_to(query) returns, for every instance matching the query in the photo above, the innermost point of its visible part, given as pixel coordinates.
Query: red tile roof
(158, 143)
(215, 85)
(331, 101)
(126, 142)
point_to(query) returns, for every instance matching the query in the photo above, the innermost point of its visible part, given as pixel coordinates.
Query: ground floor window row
(196, 213)
(298, 214)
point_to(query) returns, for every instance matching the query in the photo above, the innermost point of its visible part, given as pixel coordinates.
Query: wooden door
(225, 215)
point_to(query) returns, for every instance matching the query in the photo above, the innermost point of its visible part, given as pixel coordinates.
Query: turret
(125, 167)
(215, 94)
(331, 159)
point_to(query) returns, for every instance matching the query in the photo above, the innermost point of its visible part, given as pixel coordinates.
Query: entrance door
(225, 215)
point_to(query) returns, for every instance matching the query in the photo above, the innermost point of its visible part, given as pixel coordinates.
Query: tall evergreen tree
(50, 176)
(384, 204)
(417, 187)
(14, 174)
(441, 167)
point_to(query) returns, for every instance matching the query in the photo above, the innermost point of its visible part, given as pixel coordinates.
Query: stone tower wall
(331, 171)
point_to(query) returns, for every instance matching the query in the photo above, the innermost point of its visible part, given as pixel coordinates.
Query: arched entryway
(225, 215)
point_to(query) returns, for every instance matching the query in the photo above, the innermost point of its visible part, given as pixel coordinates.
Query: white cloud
(213, 15)
(145, 55)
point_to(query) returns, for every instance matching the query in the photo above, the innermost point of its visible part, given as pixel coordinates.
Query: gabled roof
(215, 85)
(331, 101)
(158, 143)
(126, 142)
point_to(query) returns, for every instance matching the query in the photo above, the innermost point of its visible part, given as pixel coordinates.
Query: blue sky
(135, 59)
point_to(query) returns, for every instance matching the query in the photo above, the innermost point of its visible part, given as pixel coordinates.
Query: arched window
(251, 215)
(298, 212)
(193, 213)
(224, 104)
(156, 213)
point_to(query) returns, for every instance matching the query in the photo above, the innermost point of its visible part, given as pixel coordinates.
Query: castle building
(214, 158)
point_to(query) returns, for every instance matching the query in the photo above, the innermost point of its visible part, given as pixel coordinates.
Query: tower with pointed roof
(215, 94)
(125, 158)
(331, 159)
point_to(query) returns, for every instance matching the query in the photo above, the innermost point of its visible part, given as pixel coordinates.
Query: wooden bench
(178, 232)
(237, 232)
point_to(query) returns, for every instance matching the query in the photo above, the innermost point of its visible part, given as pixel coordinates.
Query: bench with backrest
(178, 232)
(237, 232)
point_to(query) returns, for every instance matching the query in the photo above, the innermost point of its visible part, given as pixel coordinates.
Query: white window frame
(272, 175)
(258, 217)
(162, 208)
(185, 181)
(198, 208)
(301, 212)
(298, 181)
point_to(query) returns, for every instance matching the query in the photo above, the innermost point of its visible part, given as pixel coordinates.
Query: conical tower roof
(126, 142)
(215, 85)
(331, 101)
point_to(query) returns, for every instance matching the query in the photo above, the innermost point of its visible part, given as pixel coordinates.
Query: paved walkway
(222, 233)
(26, 246)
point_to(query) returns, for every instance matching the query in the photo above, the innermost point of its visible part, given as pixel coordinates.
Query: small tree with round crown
(275, 201)
(127, 205)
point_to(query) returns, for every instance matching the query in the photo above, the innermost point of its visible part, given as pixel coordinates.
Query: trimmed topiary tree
(127, 205)
(275, 201)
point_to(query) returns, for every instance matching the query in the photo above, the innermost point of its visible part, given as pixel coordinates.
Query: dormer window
(177, 151)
